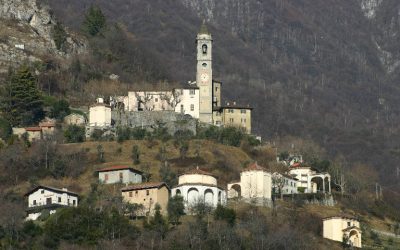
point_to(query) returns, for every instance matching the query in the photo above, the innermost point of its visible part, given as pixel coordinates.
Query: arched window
(178, 192)
(204, 49)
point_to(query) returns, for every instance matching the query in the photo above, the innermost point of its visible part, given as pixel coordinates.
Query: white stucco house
(255, 185)
(283, 183)
(310, 180)
(343, 228)
(119, 174)
(43, 198)
(198, 186)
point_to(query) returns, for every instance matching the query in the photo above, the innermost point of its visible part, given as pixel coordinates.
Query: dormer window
(204, 49)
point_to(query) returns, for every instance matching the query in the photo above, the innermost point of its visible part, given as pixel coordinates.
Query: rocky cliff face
(25, 34)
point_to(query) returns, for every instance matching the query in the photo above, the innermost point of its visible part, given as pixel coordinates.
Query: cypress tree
(22, 103)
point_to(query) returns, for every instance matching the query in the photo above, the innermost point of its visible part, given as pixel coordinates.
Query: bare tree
(278, 181)
(338, 176)
(173, 98)
(145, 99)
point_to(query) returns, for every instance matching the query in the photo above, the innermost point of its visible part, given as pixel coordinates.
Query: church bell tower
(204, 77)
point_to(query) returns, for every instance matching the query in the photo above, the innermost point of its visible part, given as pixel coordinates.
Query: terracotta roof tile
(118, 167)
(197, 170)
(254, 166)
(146, 185)
(56, 190)
(33, 129)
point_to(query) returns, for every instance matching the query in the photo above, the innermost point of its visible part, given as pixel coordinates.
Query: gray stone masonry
(151, 119)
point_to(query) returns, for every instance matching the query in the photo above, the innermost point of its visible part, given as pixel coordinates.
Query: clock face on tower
(204, 77)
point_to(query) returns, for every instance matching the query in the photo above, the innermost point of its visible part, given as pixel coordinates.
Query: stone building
(43, 198)
(119, 174)
(75, 119)
(255, 185)
(199, 186)
(200, 99)
(100, 115)
(343, 228)
(233, 115)
(148, 195)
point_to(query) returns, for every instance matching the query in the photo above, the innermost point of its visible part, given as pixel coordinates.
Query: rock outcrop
(25, 34)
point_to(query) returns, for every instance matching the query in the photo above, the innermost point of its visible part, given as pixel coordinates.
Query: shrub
(74, 133)
(226, 214)
(138, 133)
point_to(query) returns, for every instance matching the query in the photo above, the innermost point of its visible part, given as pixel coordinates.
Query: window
(156, 100)
(191, 107)
(192, 92)
(231, 120)
(130, 194)
(243, 111)
(217, 123)
(204, 49)
(74, 202)
(147, 192)
(243, 120)
(59, 199)
(121, 177)
(42, 191)
(34, 202)
(204, 65)
(136, 193)
(216, 89)
(348, 223)
(230, 111)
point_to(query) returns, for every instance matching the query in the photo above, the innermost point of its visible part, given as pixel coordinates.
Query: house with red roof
(119, 174)
(148, 195)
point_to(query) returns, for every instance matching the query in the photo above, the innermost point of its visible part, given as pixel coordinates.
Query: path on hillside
(386, 233)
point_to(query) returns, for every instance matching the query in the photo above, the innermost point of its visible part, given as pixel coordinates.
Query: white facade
(255, 185)
(198, 186)
(100, 116)
(42, 198)
(124, 175)
(283, 183)
(184, 101)
(342, 228)
(189, 102)
(310, 180)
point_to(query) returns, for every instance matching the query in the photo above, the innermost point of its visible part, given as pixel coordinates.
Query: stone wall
(151, 119)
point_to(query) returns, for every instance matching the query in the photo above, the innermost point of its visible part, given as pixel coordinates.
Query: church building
(200, 99)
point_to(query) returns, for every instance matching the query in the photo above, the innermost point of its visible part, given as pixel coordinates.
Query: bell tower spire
(204, 77)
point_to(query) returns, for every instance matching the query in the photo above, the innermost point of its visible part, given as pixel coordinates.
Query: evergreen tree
(21, 102)
(59, 36)
(135, 154)
(94, 21)
(175, 209)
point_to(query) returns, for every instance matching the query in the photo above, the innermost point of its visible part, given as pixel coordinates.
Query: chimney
(64, 189)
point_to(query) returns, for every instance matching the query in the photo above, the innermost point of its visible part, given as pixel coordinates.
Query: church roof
(203, 28)
(197, 170)
(254, 167)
